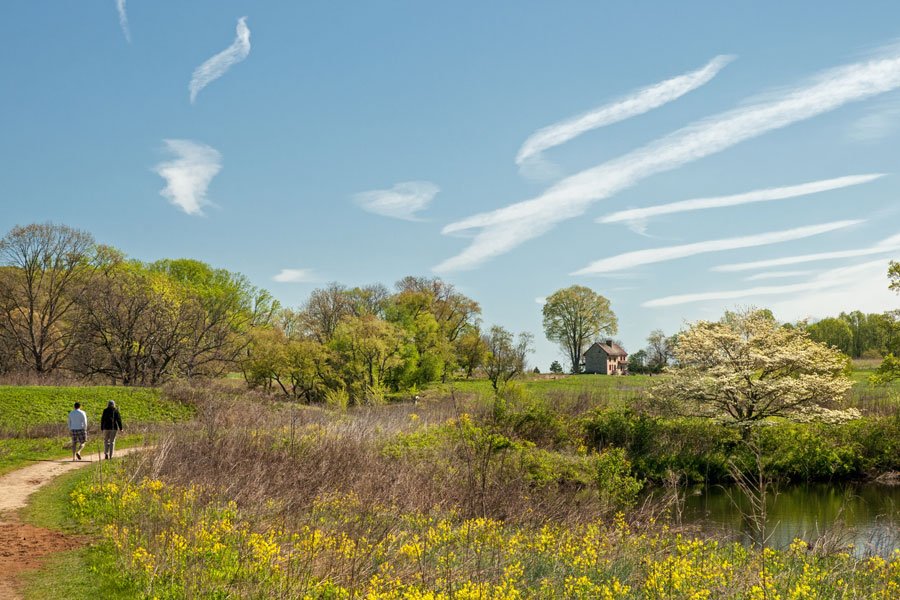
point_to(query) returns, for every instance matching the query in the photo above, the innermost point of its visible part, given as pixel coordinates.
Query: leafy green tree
(470, 349)
(222, 307)
(888, 370)
(453, 311)
(863, 334)
(429, 351)
(366, 350)
(887, 326)
(576, 316)
(637, 362)
(746, 367)
(833, 332)
(894, 276)
(555, 367)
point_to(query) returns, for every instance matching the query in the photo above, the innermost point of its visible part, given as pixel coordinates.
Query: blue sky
(281, 160)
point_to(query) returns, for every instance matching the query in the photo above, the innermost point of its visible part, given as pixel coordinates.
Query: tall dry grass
(259, 452)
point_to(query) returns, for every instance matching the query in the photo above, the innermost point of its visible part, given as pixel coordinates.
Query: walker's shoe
(78, 455)
(106, 457)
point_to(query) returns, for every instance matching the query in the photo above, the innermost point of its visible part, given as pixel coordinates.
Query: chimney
(609, 343)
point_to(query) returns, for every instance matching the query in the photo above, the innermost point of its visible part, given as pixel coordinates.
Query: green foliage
(858, 334)
(833, 332)
(529, 417)
(506, 355)
(337, 399)
(555, 367)
(695, 448)
(888, 371)
(700, 450)
(617, 487)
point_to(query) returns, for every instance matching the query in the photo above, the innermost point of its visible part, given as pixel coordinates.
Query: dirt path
(22, 546)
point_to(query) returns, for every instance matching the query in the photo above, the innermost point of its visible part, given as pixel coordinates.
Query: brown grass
(260, 452)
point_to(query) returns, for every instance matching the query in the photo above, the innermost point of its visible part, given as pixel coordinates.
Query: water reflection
(863, 515)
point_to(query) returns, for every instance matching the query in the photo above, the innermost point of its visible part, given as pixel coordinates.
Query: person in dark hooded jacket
(110, 425)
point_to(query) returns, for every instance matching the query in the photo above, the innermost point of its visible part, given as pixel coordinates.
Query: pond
(865, 515)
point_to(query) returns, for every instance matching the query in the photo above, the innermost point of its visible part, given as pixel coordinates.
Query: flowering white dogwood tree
(746, 367)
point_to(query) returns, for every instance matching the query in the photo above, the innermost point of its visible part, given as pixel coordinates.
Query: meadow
(24, 408)
(538, 493)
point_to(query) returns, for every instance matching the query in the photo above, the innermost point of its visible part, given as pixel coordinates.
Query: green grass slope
(26, 407)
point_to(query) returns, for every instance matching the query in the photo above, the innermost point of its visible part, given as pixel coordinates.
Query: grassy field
(466, 499)
(23, 408)
(33, 419)
(621, 391)
(611, 389)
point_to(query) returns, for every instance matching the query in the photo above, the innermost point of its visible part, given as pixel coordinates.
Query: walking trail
(23, 546)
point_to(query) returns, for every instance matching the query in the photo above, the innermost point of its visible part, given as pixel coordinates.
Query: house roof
(611, 348)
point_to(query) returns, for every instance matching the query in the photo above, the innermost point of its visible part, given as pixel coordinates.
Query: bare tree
(130, 331)
(660, 350)
(325, 309)
(506, 356)
(47, 269)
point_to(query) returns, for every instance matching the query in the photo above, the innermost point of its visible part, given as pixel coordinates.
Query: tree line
(357, 345)
(69, 304)
(858, 334)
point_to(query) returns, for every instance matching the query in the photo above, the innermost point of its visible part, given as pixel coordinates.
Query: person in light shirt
(78, 429)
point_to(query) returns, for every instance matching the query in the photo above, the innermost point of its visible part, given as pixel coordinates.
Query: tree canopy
(576, 316)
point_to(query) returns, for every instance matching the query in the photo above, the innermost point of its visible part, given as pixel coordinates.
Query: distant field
(868, 397)
(26, 407)
(620, 388)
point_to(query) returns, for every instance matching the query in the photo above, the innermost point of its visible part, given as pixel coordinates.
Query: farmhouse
(607, 358)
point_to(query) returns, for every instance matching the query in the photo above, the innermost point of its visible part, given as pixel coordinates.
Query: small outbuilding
(606, 358)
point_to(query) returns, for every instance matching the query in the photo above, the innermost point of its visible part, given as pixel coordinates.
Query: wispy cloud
(541, 300)
(219, 64)
(634, 104)
(402, 201)
(123, 19)
(295, 276)
(777, 275)
(501, 230)
(656, 255)
(890, 244)
(188, 175)
(845, 276)
(880, 122)
(640, 215)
